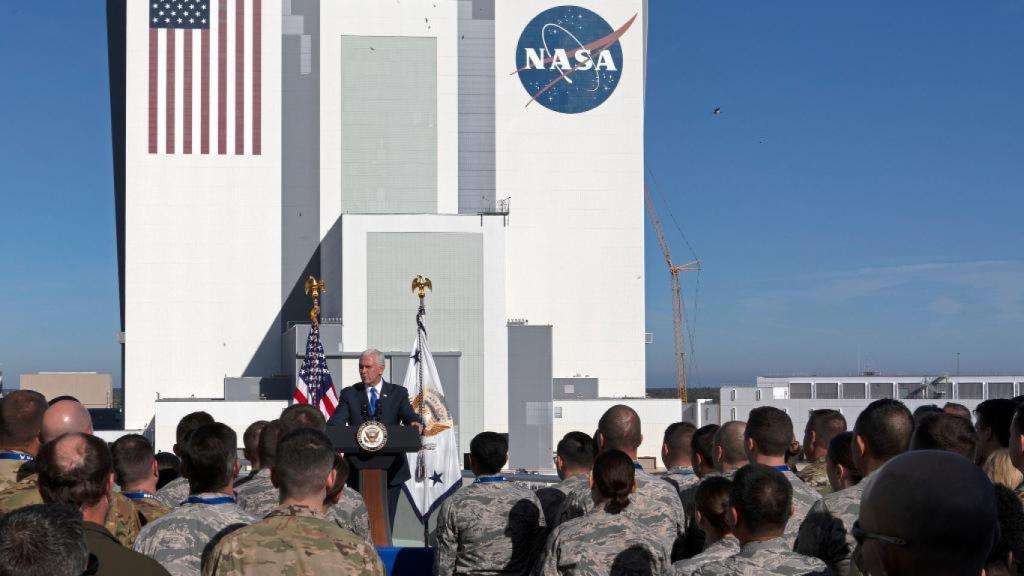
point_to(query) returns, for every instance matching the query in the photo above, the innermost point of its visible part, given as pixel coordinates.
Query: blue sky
(861, 190)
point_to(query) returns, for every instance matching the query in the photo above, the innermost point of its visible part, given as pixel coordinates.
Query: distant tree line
(691, 393)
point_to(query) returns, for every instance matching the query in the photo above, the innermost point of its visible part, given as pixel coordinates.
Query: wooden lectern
(372, 469)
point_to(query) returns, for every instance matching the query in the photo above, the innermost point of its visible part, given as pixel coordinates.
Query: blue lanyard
(15, 456)
(782, 468)
(214, 500)
(638, 466)
(489, 479)
(137, 495)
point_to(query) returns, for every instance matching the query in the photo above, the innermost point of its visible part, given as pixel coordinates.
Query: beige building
(93, 389)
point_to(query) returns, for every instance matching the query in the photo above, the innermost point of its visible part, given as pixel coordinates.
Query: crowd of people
(937, 492)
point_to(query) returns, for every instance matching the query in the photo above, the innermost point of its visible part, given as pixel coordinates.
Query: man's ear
(599, 440)
(664, 452)
(697, 517)
(716, 454)
(750, 445)
(332, 478)
(110, 484)
(812, 439)
(841, 471)
(859, 446)
(733, 517)
(155, 469)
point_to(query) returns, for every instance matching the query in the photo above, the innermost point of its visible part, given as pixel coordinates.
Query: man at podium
(375, 399)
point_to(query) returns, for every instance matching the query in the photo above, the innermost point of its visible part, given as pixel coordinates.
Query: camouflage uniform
(258, 496)
(489, 527)
(655, 505)
(147, 506)
(174, 492)
(681, 478)
(11, 468)
(552, 497)
(826, 533)
(350, 513)
(765, 557)
(804, 497)
(601, 544)
(122, 520)
(815, 476)
(293, 540)
(724, 548)
(178, 539)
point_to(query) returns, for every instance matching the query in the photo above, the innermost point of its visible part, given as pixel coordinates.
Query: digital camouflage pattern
(122, 520)
(724, 548)
(826, 533)
(553, 497)
(600, 544)
(293, 541)
(177, 540)
(174, 492)
(768, 557)
(689, 497)
(681, 478)
(489, 528)
(258, 496)
(9, 472)
(655, 505)
(149, 509)
(350, 513)
(815, 476)
(804, 497)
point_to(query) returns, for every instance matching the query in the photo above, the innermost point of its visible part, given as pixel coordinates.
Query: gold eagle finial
(316, 287)
(421, 284)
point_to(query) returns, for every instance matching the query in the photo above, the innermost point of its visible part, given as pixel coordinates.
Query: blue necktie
(373, 402)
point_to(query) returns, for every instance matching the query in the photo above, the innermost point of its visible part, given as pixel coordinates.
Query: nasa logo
(569, 59)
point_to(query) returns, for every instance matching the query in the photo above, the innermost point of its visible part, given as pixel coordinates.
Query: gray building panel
(574, 388)
(530, 407)
(388, 125)
(476, 107)
(454, 264)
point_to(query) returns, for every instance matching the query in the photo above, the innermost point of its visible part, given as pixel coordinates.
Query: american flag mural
(205, 77)
(314, 385)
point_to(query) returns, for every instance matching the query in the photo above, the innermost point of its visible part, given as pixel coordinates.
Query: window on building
(1000, 389)
(800, 390)
(732, 395)
(569, 388)
(732, 413)
(881, 390)
(969, 391)
(827, 390)
(757, 395)
(558, 411)
(854, 390)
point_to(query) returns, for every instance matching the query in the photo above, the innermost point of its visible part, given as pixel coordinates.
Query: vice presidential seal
(371, 436)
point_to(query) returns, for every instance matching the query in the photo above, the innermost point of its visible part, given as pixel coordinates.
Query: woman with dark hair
(712, 500)
(842, 473)
(606, 541)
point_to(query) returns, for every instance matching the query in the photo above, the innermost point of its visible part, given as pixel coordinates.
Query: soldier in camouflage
(722, 446)
(676, 452)
(21, 417)
(606, 540)
(655, 505)
(712, 503)
(574, 456)
(176, 491)
(345, 506)
(258, 496)
(767, 438)
(251, 450)
(136, 472)
(822, 427)
(882, 431)
(491, 526)
(295, 538)
(178, 539)
(760, 500)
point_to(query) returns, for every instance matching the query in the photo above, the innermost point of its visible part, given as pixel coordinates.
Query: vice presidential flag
(437, 469)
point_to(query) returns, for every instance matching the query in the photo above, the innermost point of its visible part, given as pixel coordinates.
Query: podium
(372, 468)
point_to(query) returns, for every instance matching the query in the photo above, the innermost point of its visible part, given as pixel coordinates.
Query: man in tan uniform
(21, 416)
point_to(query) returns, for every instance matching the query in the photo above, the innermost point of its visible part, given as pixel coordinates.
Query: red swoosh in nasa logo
(599, 45)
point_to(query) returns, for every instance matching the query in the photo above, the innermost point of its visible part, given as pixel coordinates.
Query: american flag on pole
(314, 385)
(205, 77)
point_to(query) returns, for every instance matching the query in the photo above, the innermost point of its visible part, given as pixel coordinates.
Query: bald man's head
(619, 429)
(728, 451)
(75, 469)
(63, 417)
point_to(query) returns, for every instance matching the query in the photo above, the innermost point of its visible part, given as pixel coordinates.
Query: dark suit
(394, 408)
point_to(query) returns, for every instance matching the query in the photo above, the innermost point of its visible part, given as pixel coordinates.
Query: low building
(92, 389)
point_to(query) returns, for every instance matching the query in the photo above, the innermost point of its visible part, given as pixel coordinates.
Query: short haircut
(301, 416)
(613, 479)
(305, 459)
(771, 429)
(251, 437)
(43, 540)
(270, 437)
(577, 450)
(678, 437)
(924, 410)
(74, 469)
(943, 431)
(763, 497)
(133, 459)
(378, 356)
(620, 428)
(168, 466)
(712, 501)
(190, 423)
(703, 443)
(21, 417)
(840, 451)
(957, 410)
(490, 451)
(209, 459)
(826, 424)
(996, 414)
(61, 399)
(886, 426)
(729, 437)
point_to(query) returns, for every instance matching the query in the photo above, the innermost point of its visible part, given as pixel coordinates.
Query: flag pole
(420, 285)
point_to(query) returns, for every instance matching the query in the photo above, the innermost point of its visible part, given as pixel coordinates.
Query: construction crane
(677, 294)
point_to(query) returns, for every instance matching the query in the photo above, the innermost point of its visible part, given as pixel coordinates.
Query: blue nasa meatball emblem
(569, 59)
